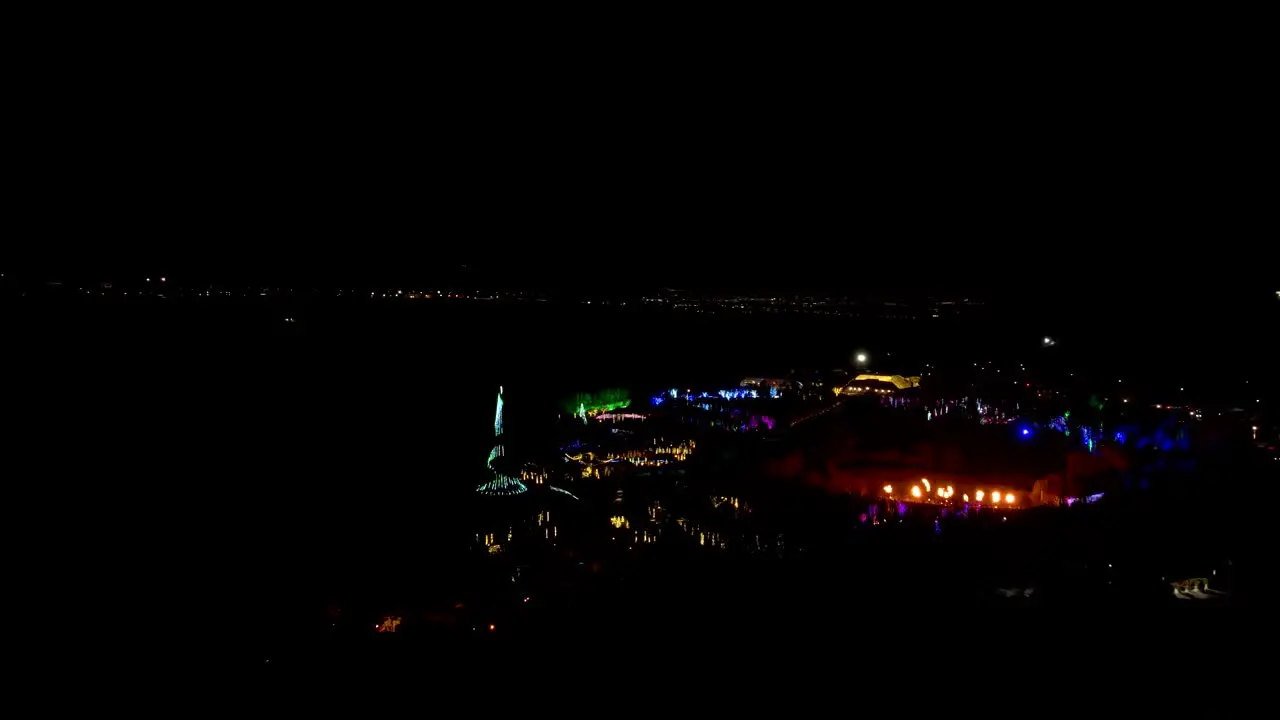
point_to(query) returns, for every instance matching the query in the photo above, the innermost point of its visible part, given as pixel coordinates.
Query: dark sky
(908, 151)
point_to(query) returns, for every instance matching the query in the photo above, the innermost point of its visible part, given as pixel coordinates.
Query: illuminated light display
(501, 484)
(979, 495)
(995, 496)
(898, 381)
(614, 417)
(389, 624)
(888, 489)
(927, 486)
(743, 393)
(915, 491)
(658, 400)
(756, 421)
(1008, 498)
(566, 492)
(589, 404)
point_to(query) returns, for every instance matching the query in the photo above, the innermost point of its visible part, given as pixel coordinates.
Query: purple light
(1025, 432)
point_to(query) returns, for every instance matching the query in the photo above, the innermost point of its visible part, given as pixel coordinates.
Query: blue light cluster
(1087, 436)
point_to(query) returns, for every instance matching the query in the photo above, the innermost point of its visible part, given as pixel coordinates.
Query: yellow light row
(946, 493)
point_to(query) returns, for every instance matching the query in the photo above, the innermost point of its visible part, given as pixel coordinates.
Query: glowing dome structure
(501, 484)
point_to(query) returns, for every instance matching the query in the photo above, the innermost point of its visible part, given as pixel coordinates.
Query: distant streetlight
(861, 358)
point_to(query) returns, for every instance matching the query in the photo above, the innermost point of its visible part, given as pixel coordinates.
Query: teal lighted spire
(501, 484)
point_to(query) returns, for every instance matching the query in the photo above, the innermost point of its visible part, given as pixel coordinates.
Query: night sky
(912, 155)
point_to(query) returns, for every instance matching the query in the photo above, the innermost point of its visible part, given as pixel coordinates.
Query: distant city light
(915, 491)
(1048, 341)
(979, 495)
(888, 489)
(995, 497)
(927, 486)
(1008, 497)
(161, 279)
(965, 497)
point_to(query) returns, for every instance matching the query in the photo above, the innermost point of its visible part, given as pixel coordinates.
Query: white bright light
(862, 357)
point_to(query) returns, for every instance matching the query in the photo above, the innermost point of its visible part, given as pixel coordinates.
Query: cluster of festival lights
(615, 416)
(585, 405)
(947, 492)
(738, 393)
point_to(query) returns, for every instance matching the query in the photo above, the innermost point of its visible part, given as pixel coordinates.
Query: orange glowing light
(491, 627)
(979, 495)
(965, 497)
(925, 482)
(1008, 497)
(915, 491)
(888, 489)
(942, 492)
(995, 496)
